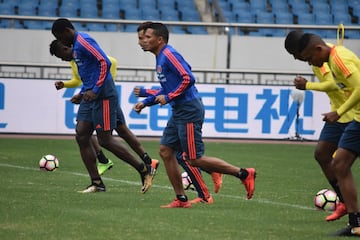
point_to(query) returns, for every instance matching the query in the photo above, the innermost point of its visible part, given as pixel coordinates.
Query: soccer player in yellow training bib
(345, 68)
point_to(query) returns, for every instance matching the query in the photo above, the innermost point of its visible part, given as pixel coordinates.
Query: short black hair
(143, 25)
(55, 45)
(60, 25)
(305, 40)
(292, 41)
(160, 30)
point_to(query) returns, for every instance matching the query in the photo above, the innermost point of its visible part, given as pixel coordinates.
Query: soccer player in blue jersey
(331, 132)
(65, 53)
(194, 173)
(98, 100)
(184, 128)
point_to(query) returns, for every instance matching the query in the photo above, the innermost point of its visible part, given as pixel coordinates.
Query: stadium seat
(245, 17)
(7, 9)
(68, 11)
(111, 13)
(165, 3)
(147, 4)
(229, 16)
(197, 30)
(352, 34)
(284, 18)
(112, 27)
(133, 13)
(95, 27)
(319, 7)
(70, 4)
(177, 30)
(265, 17)
(239, 6)
(80, 27)
(323, 18)
(27, 9)
(258, 5)
(190, 15)
(32, 24)
(306, 18)
(299, 8)
(46, 10)
(342, 18)
(151, 14)
(278, 6)
(89, 11)
(174, 16)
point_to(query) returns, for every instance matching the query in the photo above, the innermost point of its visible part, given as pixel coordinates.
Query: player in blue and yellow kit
(184, 128)
(331, 132)
(98, 100)
(345, 68)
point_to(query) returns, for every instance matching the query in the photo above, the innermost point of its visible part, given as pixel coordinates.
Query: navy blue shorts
(350, 139)
(183, 131)
(101, 112)
(332, 132)
(120, 119)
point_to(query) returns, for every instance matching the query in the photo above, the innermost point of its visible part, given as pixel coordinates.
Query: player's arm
(354, 98)
(327, 82)
(92, 50)
(75, 81)
(183, 70)
(145, 92)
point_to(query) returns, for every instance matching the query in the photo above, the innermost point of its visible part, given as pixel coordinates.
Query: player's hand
(161, 100)
(59, 85)
(138, 107)
(331, 117)
(300, 83)
(137, 91)
(89, 95)
(76, 99)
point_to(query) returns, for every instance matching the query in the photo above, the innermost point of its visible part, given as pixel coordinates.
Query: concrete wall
(201, 51)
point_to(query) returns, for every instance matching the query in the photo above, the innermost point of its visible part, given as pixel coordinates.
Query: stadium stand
(307, 12)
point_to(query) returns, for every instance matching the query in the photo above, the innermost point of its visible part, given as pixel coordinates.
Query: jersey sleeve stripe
(99, 57)
(339, 62)
(186, 78)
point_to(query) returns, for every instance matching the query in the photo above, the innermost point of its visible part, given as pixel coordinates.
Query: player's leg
(104, 163)
(104, 115)
(346, 154)
(168, 144)
(324, 151)
(124, 132)
(84, 131)
(194, 148)
(197, 180)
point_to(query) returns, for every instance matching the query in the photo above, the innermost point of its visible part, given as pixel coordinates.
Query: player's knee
(165, 152)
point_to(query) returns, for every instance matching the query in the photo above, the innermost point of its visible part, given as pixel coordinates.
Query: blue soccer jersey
(175, 77)
(88, 55)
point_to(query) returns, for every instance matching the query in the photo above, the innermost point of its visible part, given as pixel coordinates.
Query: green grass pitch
(46, 205)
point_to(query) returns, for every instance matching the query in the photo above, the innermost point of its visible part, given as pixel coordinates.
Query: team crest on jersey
(159, 73)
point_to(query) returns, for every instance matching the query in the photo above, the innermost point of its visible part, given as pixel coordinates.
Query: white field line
(264, 201)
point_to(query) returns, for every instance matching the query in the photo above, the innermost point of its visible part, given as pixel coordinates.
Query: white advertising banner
(232, 111)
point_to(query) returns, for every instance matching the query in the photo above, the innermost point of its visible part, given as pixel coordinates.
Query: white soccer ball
(186, 181)
(326, 200)
(48, 163)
